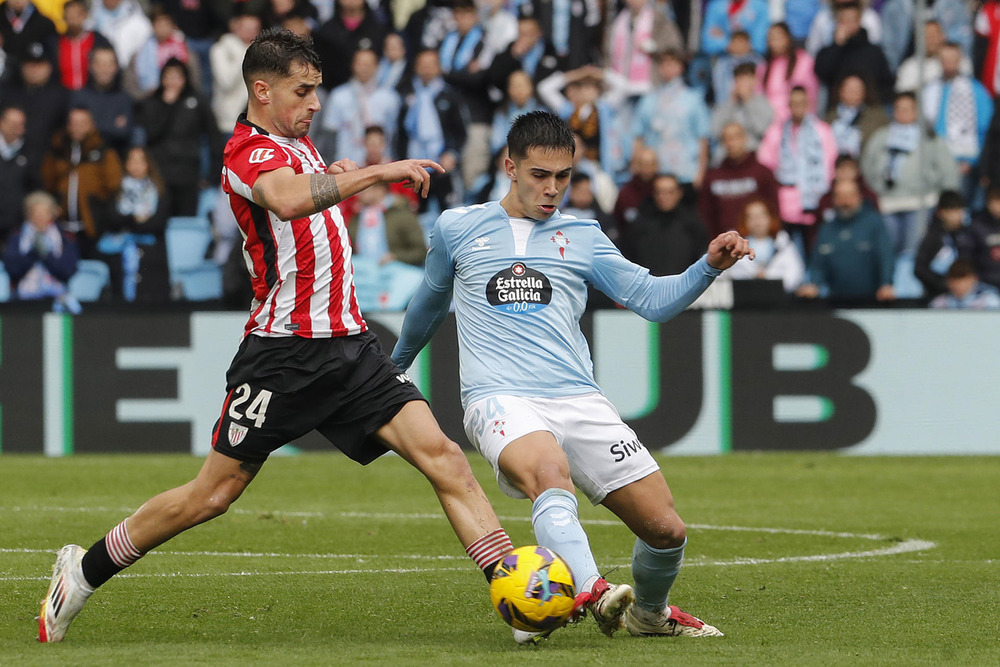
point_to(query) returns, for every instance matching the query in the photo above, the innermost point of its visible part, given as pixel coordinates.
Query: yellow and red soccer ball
(533, 589)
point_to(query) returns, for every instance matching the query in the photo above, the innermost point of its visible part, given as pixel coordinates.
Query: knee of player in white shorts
(664, 533)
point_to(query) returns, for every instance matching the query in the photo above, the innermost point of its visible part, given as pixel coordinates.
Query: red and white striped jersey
(303, 282)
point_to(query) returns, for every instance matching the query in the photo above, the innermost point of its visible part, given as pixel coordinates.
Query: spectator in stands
(143, 75)
(989, 159)
(786, 66)
(591, 106)
(84, 173)
(202, 21)
(494, 184)
(530, 52)
(908, 76)
(21, 27)
(73, 48)
(643, 166)
(433, 122)
(724, 17)
(777, 257)
(124, 24)
(465, 61)
(39, 258)
(852, 53)
(673, 120)
(965, 290)
(987, 46)
(853, 256)
(355, 106)
(823, 30)
(229, 92)
(749, 109)
(798, 15)
(393, 66)
(907, 181)
(947, 239)
(986, 231)
(297, 24)
(520, 99)
(580, 202)
(110, 106)
(737, 180)
(276, 12)
(801, 151)
(603, 185)
(44, 100)
(846, 167)
(640, 30)
(855, 117)
(133, 243)
(499, 23)
(354, 26)
(737, 53)
(178, 122)
(386, 228)
(666, 236)
(960, 110)
(15, 176)
(572, 27)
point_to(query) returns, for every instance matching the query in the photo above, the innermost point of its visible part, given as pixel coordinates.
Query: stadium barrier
(856, 381)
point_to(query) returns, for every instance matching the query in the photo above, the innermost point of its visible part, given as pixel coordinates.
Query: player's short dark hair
(275, 51)
(949, 200)
(745, 68)
(539, 129)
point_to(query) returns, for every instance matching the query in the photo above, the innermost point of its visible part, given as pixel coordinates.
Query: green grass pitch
(801, 559)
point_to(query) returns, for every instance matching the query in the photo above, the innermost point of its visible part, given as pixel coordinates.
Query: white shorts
(604, 453)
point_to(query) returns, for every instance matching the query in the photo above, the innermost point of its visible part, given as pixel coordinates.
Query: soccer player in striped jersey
(307, 360)
(518, 270)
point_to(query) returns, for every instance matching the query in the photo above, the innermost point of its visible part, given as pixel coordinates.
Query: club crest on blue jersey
(519, 290)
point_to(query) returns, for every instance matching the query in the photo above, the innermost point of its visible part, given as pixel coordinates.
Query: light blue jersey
(520, 289)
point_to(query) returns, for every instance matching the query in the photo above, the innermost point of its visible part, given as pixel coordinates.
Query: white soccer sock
(556, 521)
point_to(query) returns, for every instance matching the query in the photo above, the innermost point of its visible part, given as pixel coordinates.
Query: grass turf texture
(345, 604)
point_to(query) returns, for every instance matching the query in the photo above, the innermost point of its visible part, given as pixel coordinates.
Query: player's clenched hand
(341, 166)
(728, 248)
(413, 173)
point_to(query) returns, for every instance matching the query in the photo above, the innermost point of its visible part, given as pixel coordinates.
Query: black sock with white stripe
(110, 555)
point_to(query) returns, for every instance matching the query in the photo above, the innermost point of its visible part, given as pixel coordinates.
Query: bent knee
(668, 533)
(442, 460)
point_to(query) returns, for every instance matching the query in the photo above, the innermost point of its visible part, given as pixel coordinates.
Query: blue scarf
(457, 51)
(902, 141)
(530, 60)
(805, 168)
(845, 130)
(422, 121)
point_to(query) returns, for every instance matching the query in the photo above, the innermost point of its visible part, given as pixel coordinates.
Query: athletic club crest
(236, 434)
(560, 240)
(499, 425)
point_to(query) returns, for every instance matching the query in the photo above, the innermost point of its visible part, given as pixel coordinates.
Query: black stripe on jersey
(262, 226)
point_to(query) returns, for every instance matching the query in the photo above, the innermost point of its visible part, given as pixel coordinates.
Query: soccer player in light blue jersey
(518, 271)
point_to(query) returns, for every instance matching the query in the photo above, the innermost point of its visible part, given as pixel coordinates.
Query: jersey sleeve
(251, 158)
(429, 305)
(656, 298)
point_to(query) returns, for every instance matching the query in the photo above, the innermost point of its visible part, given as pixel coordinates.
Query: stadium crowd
(859, 172)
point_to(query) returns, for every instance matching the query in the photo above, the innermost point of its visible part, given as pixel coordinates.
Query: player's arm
(430, 303)
(659, 298)
(289, 195)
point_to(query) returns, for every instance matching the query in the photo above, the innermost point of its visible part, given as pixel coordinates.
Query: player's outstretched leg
(536, 464)
(415, 435)
(647, 508)
(77, 573)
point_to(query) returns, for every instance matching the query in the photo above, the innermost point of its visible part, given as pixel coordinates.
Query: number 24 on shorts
(257, 410)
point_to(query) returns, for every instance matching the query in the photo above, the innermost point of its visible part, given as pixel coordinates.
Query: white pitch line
(903, 547)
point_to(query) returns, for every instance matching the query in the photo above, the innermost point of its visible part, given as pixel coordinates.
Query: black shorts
(279, 389)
